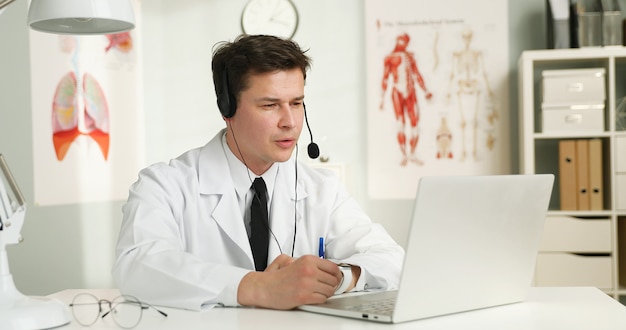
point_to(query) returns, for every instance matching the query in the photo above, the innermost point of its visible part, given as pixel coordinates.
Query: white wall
(71, 246)
(332, 30)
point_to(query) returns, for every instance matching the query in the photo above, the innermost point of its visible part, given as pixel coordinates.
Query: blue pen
(320, 250)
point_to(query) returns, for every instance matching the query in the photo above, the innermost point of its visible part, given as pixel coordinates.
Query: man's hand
(287, 283)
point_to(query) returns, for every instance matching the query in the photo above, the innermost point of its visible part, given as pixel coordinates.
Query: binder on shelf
(558, 24)
(567, 175)
(582, 174)
(596, 198)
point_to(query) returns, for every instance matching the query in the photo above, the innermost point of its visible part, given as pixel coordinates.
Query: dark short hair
(254, 54)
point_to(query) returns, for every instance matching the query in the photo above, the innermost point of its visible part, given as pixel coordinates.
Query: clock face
(272, 17)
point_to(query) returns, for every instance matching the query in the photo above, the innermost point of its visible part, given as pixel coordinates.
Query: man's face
(268, 120)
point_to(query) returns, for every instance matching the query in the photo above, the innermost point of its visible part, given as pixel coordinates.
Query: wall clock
(272, 17)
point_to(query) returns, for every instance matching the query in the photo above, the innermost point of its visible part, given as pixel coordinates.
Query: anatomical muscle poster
(437, 91)
(86, 114)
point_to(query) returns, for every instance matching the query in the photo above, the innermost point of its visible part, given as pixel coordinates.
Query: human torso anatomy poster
(437, 91)
(86, 115)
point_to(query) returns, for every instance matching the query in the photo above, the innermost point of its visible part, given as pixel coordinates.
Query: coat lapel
(218, 191)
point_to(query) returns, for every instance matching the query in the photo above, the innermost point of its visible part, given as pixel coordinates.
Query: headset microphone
(313, 150)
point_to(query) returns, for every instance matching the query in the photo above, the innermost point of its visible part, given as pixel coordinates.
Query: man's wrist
(247, 293)
(346, 278)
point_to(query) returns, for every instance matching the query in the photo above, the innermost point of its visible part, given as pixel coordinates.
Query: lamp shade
(4, 3)
(81, 16)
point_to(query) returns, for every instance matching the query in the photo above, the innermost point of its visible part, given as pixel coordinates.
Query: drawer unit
(565, 269)
(571, 234)
(577, 97)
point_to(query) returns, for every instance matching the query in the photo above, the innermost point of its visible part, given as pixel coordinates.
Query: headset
(227, 104)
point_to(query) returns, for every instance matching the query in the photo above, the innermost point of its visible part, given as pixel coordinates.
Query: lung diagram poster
(86, 115)
(437, 91)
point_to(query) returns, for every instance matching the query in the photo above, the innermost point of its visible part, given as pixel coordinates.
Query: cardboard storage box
(574, 86)
(572, 118)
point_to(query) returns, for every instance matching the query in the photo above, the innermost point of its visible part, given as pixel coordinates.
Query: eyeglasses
(125, 310)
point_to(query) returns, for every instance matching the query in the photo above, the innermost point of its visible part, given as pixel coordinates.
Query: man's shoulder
(319, 173)
(191, 158)
(182, 164)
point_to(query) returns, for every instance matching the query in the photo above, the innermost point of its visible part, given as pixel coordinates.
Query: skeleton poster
(437, 92)
(86, 115)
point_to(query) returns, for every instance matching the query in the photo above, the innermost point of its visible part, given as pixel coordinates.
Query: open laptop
(472, 244)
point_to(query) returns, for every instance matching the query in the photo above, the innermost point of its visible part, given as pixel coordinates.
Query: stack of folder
(580, 174)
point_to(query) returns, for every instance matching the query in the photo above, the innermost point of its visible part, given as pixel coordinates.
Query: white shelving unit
(579, 248)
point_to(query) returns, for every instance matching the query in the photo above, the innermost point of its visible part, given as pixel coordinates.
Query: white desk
(545, 308)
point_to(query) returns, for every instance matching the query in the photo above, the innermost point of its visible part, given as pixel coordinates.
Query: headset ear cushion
(227, 105)
(222, 104)
(232, 105)
(226, 102)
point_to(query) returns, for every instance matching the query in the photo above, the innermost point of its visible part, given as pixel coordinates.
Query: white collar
(243, 177)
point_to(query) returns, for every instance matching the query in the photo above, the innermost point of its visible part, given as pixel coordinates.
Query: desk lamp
(77, 17)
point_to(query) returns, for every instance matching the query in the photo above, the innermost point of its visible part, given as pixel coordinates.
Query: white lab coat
(183, 241)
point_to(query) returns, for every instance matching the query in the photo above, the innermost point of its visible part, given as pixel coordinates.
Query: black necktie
(259, 225)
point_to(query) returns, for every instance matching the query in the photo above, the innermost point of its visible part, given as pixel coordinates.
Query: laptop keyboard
(376, 307)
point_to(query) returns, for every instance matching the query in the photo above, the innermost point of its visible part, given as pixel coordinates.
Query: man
(402, 68)
(188, 235)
